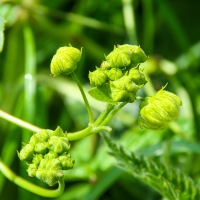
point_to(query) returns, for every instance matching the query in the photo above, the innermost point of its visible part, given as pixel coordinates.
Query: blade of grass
(129, 21)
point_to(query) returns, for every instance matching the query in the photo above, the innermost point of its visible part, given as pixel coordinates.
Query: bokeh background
(167, 30)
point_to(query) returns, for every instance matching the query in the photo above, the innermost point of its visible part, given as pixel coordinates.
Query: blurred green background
(168, 31)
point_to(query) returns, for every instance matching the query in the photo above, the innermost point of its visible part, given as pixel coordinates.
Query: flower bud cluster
(65, 60)
(47, 155)
(121, 73)
(157, 111)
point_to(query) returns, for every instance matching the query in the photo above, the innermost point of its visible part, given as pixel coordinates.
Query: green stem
(30, 186)
(112, 113)
(19, 122)
(85, 132)
(104, 114)
(91, 118)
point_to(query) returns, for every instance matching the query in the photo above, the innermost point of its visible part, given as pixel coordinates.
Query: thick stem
(19, 122)
(91, 118)
(85, 132)
(30, 186)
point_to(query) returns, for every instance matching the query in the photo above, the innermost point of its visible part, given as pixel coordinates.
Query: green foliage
(30, 33)
(2, 26)
(169, 182)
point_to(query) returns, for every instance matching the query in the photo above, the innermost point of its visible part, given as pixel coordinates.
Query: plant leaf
(101, 93)
(169, 182)
(2, 26)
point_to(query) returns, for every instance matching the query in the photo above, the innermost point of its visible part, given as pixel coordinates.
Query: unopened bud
(157, 111)
(98, 77)
(65, 60)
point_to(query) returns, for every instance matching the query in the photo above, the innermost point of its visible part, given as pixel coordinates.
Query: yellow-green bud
(137, 76)
(37, 158)
(137, 54)
(26, 152)
(114, 74)
(105, 65)
(32, 169)
(65, 60)
(98, 77)
(59, 145)
(119, 58)
(51, 155)
(66, 161)
(123, 90)
(42, 135)
(49, 171)
(41, 147)
(58, 132)
(157, 111)
(34, 140)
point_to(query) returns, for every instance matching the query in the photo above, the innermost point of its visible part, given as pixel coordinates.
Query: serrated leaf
(2, 26)
(101, 93)
(169, 182)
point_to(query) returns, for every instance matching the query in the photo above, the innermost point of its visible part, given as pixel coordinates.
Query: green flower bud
(119, 58)
(66, 161)
(42, 135)
(59, 145)
(34, 140)
(65, 60)
(114, 74)
(50, 171)
(41, 147)
(51, 155)
(105, 65)
(98, 77)
(58, 132)
(157, 111)
(123, 90)
(37, 158)
(137, 54)
(26, 152)
(32, 169)
(137, 76)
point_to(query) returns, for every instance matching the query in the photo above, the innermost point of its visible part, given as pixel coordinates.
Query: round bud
(42, 135)
(114, 74)
(37, 158)
(157, 111)
(59, 145)
(66, 161)
(34, 140)
(137, 76)
(123, 90)
(65, 60)
(41, 147)
(98, 77)
(49, 171)
(58, 132)
(105, 65)
(26, 152)
(32, 169)
(119, 58)
(137, 54)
